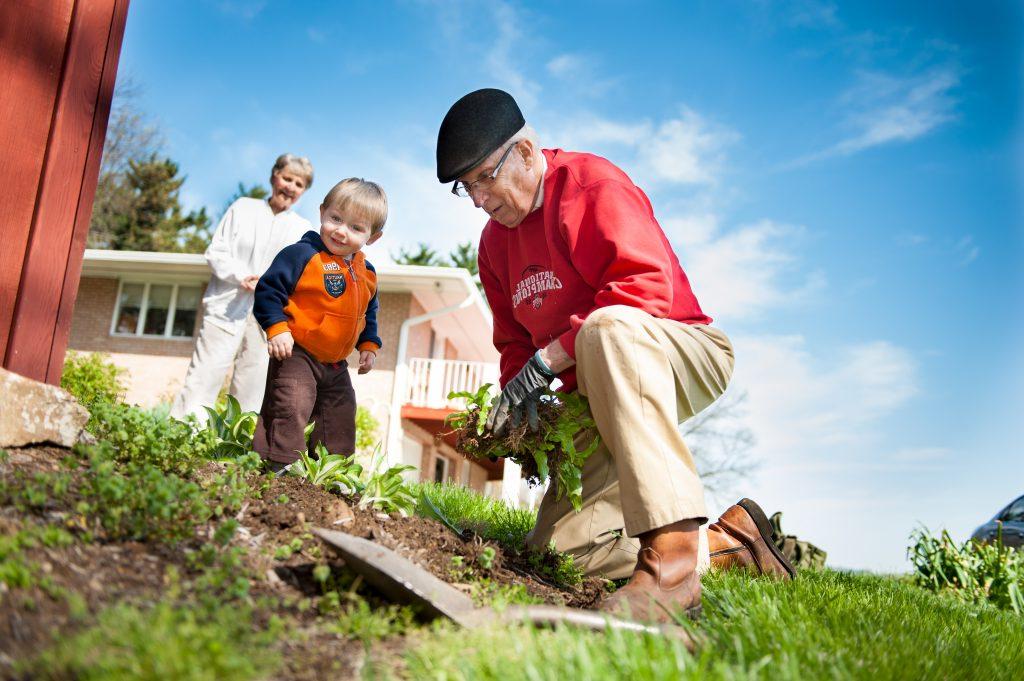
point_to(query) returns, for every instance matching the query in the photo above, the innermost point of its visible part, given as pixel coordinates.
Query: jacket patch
(334, 284)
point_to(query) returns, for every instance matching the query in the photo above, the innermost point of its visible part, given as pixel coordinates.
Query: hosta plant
(232, 427)
(386, 489)
(329, 470)
(550, 452)
(379, 488)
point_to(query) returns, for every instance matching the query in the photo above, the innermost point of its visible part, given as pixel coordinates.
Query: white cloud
(566, 66)
(685, 150)
(746, 272)
(504, 59)
(246, 10)
(884, 109)
(819, 416)
(966, 250)
(802, 403)
(810, 13)
(421, 209)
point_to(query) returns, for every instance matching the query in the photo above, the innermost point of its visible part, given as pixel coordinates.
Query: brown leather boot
(665, 582)
(742, 538)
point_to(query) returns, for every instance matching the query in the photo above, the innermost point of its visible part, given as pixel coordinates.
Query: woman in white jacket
(248, 237)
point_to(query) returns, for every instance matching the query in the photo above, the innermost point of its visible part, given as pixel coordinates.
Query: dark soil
(103, 573)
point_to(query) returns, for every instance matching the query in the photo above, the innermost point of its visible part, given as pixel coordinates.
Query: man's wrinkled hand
(520, 396)
(280, 346)
(249, 283)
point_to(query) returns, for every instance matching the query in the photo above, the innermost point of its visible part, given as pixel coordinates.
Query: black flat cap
(473, 128)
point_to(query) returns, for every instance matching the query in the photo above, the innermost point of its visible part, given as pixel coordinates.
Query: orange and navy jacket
(328, 304)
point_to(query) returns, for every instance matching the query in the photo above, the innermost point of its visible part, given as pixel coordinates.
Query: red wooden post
(58, 60)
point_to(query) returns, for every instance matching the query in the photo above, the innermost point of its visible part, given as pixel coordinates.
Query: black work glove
(521, 394)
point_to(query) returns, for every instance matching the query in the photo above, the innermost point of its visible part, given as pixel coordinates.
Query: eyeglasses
(465, 190)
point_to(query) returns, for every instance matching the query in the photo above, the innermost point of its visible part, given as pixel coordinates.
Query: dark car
(1011, 519)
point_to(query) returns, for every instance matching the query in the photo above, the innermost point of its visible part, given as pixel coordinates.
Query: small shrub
(973, 572)
(137, 435)
(92, 379)
(367, 427)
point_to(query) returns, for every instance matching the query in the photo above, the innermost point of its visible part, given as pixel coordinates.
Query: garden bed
(84, 571)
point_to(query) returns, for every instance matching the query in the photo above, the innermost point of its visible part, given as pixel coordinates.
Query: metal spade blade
(401, 580)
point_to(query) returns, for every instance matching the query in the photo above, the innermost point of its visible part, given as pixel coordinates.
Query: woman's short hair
(299, 165)
(362, 196)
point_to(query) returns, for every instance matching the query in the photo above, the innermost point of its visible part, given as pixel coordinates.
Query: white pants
(215, 352)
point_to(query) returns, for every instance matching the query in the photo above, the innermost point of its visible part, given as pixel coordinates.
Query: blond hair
(299, 165)
(357, 194)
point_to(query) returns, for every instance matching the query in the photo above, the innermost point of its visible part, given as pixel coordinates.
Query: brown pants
(301, 389)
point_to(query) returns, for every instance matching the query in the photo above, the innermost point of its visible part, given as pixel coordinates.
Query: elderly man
(585, 287)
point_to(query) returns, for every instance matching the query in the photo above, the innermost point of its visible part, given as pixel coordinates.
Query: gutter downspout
(393, 451)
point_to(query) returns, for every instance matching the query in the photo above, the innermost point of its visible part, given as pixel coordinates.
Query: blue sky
(838, 180)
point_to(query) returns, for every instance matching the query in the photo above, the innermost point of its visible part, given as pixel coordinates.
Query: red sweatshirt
(593, 243)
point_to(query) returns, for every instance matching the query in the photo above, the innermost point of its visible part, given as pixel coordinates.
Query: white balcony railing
(430, 381)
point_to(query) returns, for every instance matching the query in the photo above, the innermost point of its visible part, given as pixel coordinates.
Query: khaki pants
(643, 376)
(215, 353)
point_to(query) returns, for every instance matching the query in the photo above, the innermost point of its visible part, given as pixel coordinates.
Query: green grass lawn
(824, 625)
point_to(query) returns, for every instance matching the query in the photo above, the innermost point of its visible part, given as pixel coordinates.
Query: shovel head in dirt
(402, 581)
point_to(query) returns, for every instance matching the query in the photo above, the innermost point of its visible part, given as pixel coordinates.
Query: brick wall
(90, 325)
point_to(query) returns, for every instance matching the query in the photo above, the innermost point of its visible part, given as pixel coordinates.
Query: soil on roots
(517, 443)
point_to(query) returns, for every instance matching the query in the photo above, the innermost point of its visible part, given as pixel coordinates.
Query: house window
(440, 469)
(156, 310)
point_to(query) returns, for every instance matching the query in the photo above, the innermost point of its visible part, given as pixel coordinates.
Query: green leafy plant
(550, 452)
(386, 490)
(329, 470)
(974, 572)
(138, 435)
(383, 489)
(138, 500)
(367, 427)
(232, 428)
(92, 379)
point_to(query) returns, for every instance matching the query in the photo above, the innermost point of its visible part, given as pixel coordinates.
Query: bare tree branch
(721, 445)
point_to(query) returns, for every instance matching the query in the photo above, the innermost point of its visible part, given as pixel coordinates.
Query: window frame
(172, 308)
(446, 468)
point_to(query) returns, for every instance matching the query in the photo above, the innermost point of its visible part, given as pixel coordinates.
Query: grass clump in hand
(550, 452)
(974, 572)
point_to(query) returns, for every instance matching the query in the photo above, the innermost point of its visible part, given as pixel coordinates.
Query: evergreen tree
(423, 255)
(153, 219)
(464, 255)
